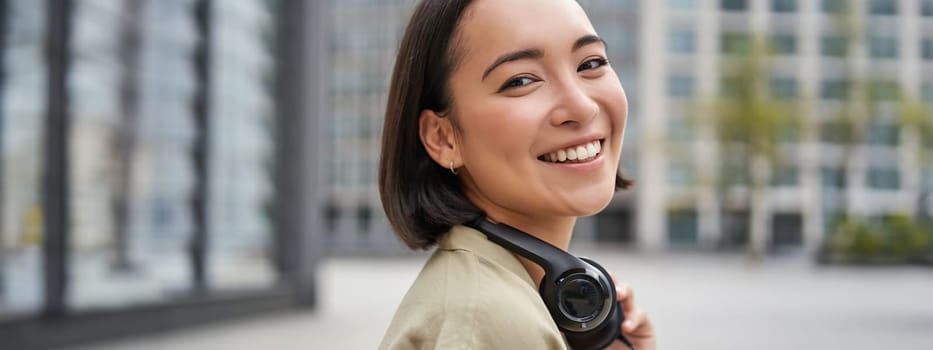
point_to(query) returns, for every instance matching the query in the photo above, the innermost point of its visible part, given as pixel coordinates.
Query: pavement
(695, 300)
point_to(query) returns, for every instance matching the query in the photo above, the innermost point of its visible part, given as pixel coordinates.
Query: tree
(861, 109)
(750, 123)
(916, 117)
(857, 104)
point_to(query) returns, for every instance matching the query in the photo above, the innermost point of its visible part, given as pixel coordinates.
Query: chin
(589, 203)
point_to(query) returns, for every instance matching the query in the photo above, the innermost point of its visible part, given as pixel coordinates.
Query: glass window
(243, 116)
(882, 7)
(833, 177)
(682, 4)
(884, 90)
(835, 6)
(927, 49)
(729, 86)
(353, 168)
(22, 116)
(834, 46)
(883, 47)
(682, 227)
(735, 43)
(784, 88)
(926, 8)
(680, 86)
(834, 90)
(927, 182)
(785, 44)
(134, 143)
(679, 128)
(787, 230)
(884, 178)
(733, 169)
(784, 5)
(834, 132)
(621, 42)
(927, 92)
(680, 174)
(735, 224)
(734, 5)
(680, 41)
(627, 4)
(785, 176)
(884, 134)
(789, 133)
(132, 176)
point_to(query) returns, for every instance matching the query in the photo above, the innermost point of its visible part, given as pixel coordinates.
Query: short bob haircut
(423, 200)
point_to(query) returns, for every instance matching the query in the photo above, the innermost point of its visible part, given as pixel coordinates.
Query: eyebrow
(513, 56)
(589, 39)
(536, 53)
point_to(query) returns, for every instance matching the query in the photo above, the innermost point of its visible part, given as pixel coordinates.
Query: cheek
(616, 102)
(504, 128)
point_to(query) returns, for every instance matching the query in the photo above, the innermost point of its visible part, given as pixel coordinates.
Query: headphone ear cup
(599, 337)
(610, 328)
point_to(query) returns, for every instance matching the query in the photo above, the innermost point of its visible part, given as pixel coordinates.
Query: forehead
(494, 27)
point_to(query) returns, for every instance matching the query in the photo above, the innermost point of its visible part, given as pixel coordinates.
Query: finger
(634, 320)
(626, 295)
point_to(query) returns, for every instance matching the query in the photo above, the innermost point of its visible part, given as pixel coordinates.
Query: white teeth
(582, 153)
(578, 153)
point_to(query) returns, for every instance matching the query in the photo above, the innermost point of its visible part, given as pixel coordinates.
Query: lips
(574, 154)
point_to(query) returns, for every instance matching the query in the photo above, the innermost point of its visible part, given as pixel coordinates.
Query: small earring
(452, 170)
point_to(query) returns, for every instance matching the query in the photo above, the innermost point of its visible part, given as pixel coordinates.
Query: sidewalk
(697, 301)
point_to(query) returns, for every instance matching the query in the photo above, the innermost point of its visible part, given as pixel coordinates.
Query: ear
(438, 138)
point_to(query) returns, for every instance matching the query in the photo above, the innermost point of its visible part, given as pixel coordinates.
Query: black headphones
(578, 292)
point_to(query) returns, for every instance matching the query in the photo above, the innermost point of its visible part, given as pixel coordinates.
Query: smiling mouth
(574, 154)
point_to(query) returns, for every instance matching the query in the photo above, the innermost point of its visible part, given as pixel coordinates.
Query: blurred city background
(166, 164)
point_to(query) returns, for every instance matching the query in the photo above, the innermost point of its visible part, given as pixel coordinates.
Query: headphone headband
(542, 253)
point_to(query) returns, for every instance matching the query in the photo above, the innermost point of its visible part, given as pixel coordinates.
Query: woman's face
(540, 112)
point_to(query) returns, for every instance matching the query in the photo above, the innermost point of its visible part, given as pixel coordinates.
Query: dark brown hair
(423, 200)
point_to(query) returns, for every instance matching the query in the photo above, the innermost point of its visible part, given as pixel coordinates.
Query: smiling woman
(520, 121)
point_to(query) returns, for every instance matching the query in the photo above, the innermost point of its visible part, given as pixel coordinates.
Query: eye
(593, 64)
(517, 82)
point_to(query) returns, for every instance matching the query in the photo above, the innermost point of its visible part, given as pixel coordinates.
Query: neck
(557, 232)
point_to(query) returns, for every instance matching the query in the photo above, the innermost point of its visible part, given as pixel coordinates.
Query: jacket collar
(469, 239)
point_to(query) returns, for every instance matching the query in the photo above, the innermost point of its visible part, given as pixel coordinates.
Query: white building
(683, 42)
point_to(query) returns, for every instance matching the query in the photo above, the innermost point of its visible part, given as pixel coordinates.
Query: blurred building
(684, 43)
(363, 42)
(150, 174)
(668, 55)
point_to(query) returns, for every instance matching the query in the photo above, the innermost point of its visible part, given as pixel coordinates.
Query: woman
(507, 109)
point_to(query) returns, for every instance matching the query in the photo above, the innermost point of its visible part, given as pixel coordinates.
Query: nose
(573, 105)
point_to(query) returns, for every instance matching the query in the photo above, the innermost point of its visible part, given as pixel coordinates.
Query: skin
(560, 92)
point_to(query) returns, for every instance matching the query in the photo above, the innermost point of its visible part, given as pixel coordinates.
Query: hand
(637, 327)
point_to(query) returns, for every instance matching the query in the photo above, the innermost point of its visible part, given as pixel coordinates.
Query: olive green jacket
(472, 294)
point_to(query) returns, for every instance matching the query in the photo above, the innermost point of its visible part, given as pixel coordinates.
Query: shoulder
(461, 299)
